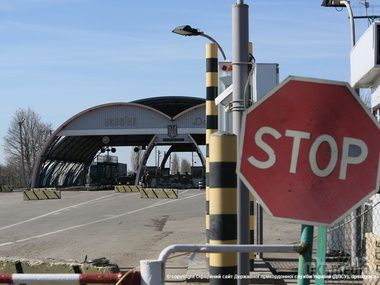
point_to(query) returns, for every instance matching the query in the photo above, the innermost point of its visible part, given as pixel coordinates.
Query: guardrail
(153, 271)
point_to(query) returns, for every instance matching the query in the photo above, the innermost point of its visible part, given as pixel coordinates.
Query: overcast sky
(62, 56)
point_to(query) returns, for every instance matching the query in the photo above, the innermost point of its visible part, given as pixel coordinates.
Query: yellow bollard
(223, 206)
(211, 114)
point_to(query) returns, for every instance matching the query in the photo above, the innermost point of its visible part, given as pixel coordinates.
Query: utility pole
(240, 61)
(20, 123)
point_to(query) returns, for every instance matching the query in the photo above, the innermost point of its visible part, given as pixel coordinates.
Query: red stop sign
(310, 151)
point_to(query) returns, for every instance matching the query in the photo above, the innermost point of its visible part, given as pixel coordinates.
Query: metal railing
(153, 271)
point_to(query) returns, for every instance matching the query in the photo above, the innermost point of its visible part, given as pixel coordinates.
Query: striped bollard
(251, 200)
(223, 207)
(211, 115)
(251, 230)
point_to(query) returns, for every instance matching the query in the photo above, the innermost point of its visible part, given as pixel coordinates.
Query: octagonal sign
(310, 151)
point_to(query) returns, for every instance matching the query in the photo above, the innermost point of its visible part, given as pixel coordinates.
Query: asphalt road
(120, 226)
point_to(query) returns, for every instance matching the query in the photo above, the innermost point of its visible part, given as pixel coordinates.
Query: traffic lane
(60, 217)
(14, 210)
(124, 239)
(72, 216)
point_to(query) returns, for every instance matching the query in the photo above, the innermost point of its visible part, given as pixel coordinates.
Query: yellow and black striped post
(251, 198)
(223, 206)
(211, 115)
(251, 230)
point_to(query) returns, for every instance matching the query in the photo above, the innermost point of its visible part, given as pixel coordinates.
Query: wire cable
(248, 101)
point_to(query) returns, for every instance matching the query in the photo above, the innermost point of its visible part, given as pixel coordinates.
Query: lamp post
(187, 31)
(355, 224)
(343, 3)
(20, 123)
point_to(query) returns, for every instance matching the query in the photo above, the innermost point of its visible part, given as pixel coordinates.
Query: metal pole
(259, 225)
(240, 58)
(321, 256)
(355, 224)
(153, 271)
(170, 164)
(276, 248)
(304, 263)
(217, 44)
(22, 153)
(251, 230)
(352, 21)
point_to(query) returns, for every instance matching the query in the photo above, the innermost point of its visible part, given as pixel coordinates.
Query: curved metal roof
(171, 105)
(68, 153)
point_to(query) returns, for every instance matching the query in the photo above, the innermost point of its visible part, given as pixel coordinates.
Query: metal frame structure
(153, 271)
(68, 153)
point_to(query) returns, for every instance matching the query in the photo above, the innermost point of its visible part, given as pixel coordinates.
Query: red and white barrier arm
(69, 279)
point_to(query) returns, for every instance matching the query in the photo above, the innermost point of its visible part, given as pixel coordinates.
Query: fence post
(304, 263)
(321, 255)
(152, 272)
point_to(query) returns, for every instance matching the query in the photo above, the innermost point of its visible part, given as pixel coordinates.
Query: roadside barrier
(41, 194)
(158, 193)
(211, 115)
(153, 271)
(127, 188)
(130, 278)
(6, 188)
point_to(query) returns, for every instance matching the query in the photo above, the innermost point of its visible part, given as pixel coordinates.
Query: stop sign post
(310, 151)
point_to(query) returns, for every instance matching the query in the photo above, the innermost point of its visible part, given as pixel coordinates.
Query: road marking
(97, 221)
(55, 212)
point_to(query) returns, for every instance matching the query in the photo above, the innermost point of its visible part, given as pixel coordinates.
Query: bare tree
(175, 164)
(24, 141)
(185, 166)
(135, 158)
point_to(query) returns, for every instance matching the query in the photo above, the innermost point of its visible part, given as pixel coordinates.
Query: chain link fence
(353, 246)
(352, 249)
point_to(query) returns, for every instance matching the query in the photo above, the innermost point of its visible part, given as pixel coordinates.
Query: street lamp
(343, 3)
(190, 31)
(356, 222)
(332, 3)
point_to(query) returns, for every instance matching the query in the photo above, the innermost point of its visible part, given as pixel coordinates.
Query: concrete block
(6, 188)
(159, 193)
(127, 188)
(41, 194)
